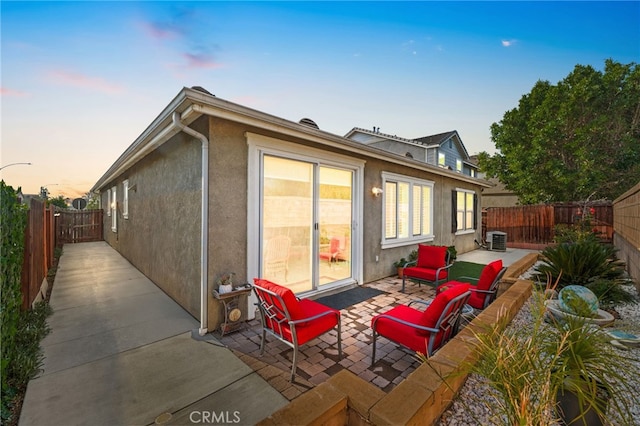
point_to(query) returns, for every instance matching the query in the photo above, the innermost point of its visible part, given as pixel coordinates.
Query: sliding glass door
(335, 213)
(306, 223)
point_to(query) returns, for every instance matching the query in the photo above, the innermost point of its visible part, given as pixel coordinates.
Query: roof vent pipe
(204, 234)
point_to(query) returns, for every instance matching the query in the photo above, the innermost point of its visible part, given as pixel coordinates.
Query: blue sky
(81, 80)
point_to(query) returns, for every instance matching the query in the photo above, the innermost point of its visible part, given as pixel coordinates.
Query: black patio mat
(348, 298)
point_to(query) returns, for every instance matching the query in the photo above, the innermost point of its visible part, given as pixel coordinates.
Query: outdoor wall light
(376, 191)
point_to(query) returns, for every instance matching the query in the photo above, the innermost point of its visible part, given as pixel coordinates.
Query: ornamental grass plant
(526, 368)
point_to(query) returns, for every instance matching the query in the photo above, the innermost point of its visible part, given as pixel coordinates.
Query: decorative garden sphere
(578, 300)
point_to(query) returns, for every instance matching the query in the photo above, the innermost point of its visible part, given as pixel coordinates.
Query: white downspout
(204, 232)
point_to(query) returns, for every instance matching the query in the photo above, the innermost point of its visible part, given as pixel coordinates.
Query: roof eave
(193, 104)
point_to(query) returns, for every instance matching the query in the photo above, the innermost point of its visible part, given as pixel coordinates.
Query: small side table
(231, 307)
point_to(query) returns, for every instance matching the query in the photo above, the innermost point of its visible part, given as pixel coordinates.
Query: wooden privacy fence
(39, 243)
(78, 226)
(46, 229)
(534, 226)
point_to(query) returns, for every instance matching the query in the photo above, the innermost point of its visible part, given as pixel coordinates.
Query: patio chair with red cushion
(292, 321)
(332, 252)
(431, 267)
(422, 331)
(483, 289)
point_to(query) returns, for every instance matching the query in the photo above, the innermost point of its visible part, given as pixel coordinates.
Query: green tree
(93, 200)
(576, 140)
(59, 201)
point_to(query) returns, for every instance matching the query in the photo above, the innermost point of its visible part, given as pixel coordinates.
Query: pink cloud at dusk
(5, 91)
(200, 60)
(159, 31)
(70, 78)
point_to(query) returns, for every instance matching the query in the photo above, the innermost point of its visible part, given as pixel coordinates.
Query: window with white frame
(465, 206)
(442, 159)
(114, 222)
(125, 199)
(109, 202)
(408, 210)
(459, 166)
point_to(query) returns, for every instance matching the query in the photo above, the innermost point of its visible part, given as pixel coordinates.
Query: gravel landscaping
(474, 397)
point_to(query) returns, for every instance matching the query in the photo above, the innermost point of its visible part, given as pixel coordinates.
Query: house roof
(432, 141)
(192, 103)
(382, 136)
(440, 138)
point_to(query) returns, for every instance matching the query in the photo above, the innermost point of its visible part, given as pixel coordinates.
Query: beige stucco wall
(162, 235)
(498, 196)
(626, 226)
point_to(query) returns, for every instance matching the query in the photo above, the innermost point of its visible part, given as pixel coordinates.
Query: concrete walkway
(121, 353)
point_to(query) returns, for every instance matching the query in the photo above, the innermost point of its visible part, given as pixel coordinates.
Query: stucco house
(213, 187)
(444, 149)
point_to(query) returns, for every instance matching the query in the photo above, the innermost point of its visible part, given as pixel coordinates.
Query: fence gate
(78, 226)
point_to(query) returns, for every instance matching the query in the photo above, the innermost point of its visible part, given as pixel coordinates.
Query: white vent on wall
(497, 241)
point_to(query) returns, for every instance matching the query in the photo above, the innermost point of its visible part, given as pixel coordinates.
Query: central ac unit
(497, 241)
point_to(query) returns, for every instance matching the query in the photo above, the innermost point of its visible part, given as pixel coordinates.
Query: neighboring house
(444, 149)
(497, 195)
(212, 187)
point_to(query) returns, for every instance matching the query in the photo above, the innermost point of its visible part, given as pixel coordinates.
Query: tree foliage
(576, 140)
(93, 201)
(59, 201)
(13, 221)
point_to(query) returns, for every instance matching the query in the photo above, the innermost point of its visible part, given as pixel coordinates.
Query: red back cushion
(335, 245)
(432, 314)
(489, 274)
(289, 299)
(432, 257)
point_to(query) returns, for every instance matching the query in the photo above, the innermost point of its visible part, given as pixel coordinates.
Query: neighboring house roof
(192, 103)
(429, 142)
(440, 138)
(376, 135)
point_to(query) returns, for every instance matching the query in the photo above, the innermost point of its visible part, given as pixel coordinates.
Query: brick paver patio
(318, 359)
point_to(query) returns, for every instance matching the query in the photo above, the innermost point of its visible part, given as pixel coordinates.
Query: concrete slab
(134, 387)
(487, 256)
(235, 404)
(121, 353)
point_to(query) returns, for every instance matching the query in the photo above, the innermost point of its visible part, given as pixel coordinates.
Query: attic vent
(309, 122)
(202, 89)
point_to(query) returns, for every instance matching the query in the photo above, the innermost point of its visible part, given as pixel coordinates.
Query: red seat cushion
(434, 311)
(489, 273)
(487, 276)
(425, 274)
(432, 257)
(401, 333)
(476, 299)
(289, 299)
(312, 329)
(299, 310)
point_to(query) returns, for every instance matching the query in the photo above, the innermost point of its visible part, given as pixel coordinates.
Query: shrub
(610, 293)
(574, 234)
(13, 221)
(22, 331)
(583, 263)
(526, 367)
